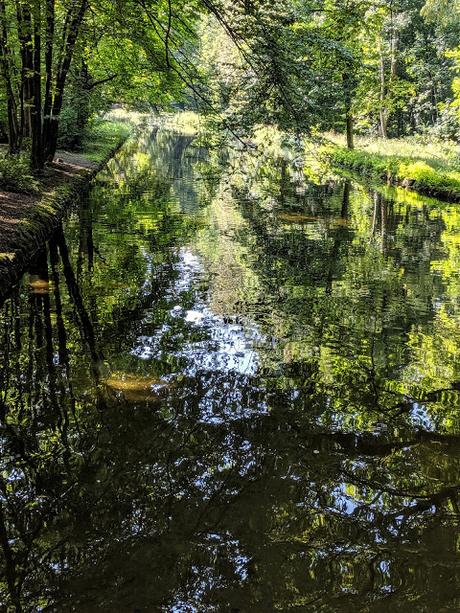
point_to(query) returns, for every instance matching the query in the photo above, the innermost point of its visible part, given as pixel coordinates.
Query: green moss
(416, 174)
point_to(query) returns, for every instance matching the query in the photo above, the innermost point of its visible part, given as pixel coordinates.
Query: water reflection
(220, 392)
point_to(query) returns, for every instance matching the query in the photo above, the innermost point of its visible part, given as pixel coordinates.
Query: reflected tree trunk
(384, 217)
(10, 564)
(284, 179)
(345, 199)
(86, 242)
(63, 352)
(84, 321)
(376, 200)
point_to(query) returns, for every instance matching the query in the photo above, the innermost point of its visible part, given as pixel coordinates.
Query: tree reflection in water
(220, 393)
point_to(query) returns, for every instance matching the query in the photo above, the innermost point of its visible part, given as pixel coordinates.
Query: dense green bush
(70, 128)
(15, 174)
(82, 103)
(447, 126)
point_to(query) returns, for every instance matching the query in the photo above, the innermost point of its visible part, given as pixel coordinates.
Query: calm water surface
(222, 390)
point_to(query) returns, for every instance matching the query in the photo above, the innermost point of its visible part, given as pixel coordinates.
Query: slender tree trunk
(393, 57)
(434, 102)
(37, 140)
(74, 20)
(6, 69)
(383, 110)
(350, 139)
(385, 87)
(346, 80)
(50, 27)
(27, 66)
(393, 61)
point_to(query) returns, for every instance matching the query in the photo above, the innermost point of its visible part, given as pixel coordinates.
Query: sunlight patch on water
(226, 346)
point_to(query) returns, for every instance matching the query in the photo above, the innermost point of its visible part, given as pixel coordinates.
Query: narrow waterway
(225, 390)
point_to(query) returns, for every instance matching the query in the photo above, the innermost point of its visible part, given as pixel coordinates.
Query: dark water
(222, 391)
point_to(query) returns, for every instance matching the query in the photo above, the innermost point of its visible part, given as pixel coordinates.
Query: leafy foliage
(417, 174)
(15, 174)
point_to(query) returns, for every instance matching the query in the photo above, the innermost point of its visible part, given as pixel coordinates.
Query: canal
(225, 389)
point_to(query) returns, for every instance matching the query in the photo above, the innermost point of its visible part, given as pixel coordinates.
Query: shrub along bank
(439, 181)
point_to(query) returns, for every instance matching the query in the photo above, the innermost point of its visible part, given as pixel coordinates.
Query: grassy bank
(31, 207)
(429, 168)
(103, 137)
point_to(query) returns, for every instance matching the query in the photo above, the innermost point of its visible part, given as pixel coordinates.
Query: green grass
(103, 137)
(431, 168)
(436, 153)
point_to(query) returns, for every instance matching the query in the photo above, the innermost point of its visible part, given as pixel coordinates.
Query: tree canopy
(369, 65)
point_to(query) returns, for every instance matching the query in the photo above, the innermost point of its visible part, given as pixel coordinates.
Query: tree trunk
(74, 21)
(350, 139)
(6, 69)
(37, 140)
(347, 91)
(385, 88)
(50, 27)
(383, 111)
(27, 66)
(82, 105)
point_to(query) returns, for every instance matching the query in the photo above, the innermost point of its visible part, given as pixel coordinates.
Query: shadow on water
(221, 391)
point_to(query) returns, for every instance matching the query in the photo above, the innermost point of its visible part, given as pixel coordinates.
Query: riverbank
(430, 169)
(28, 216)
